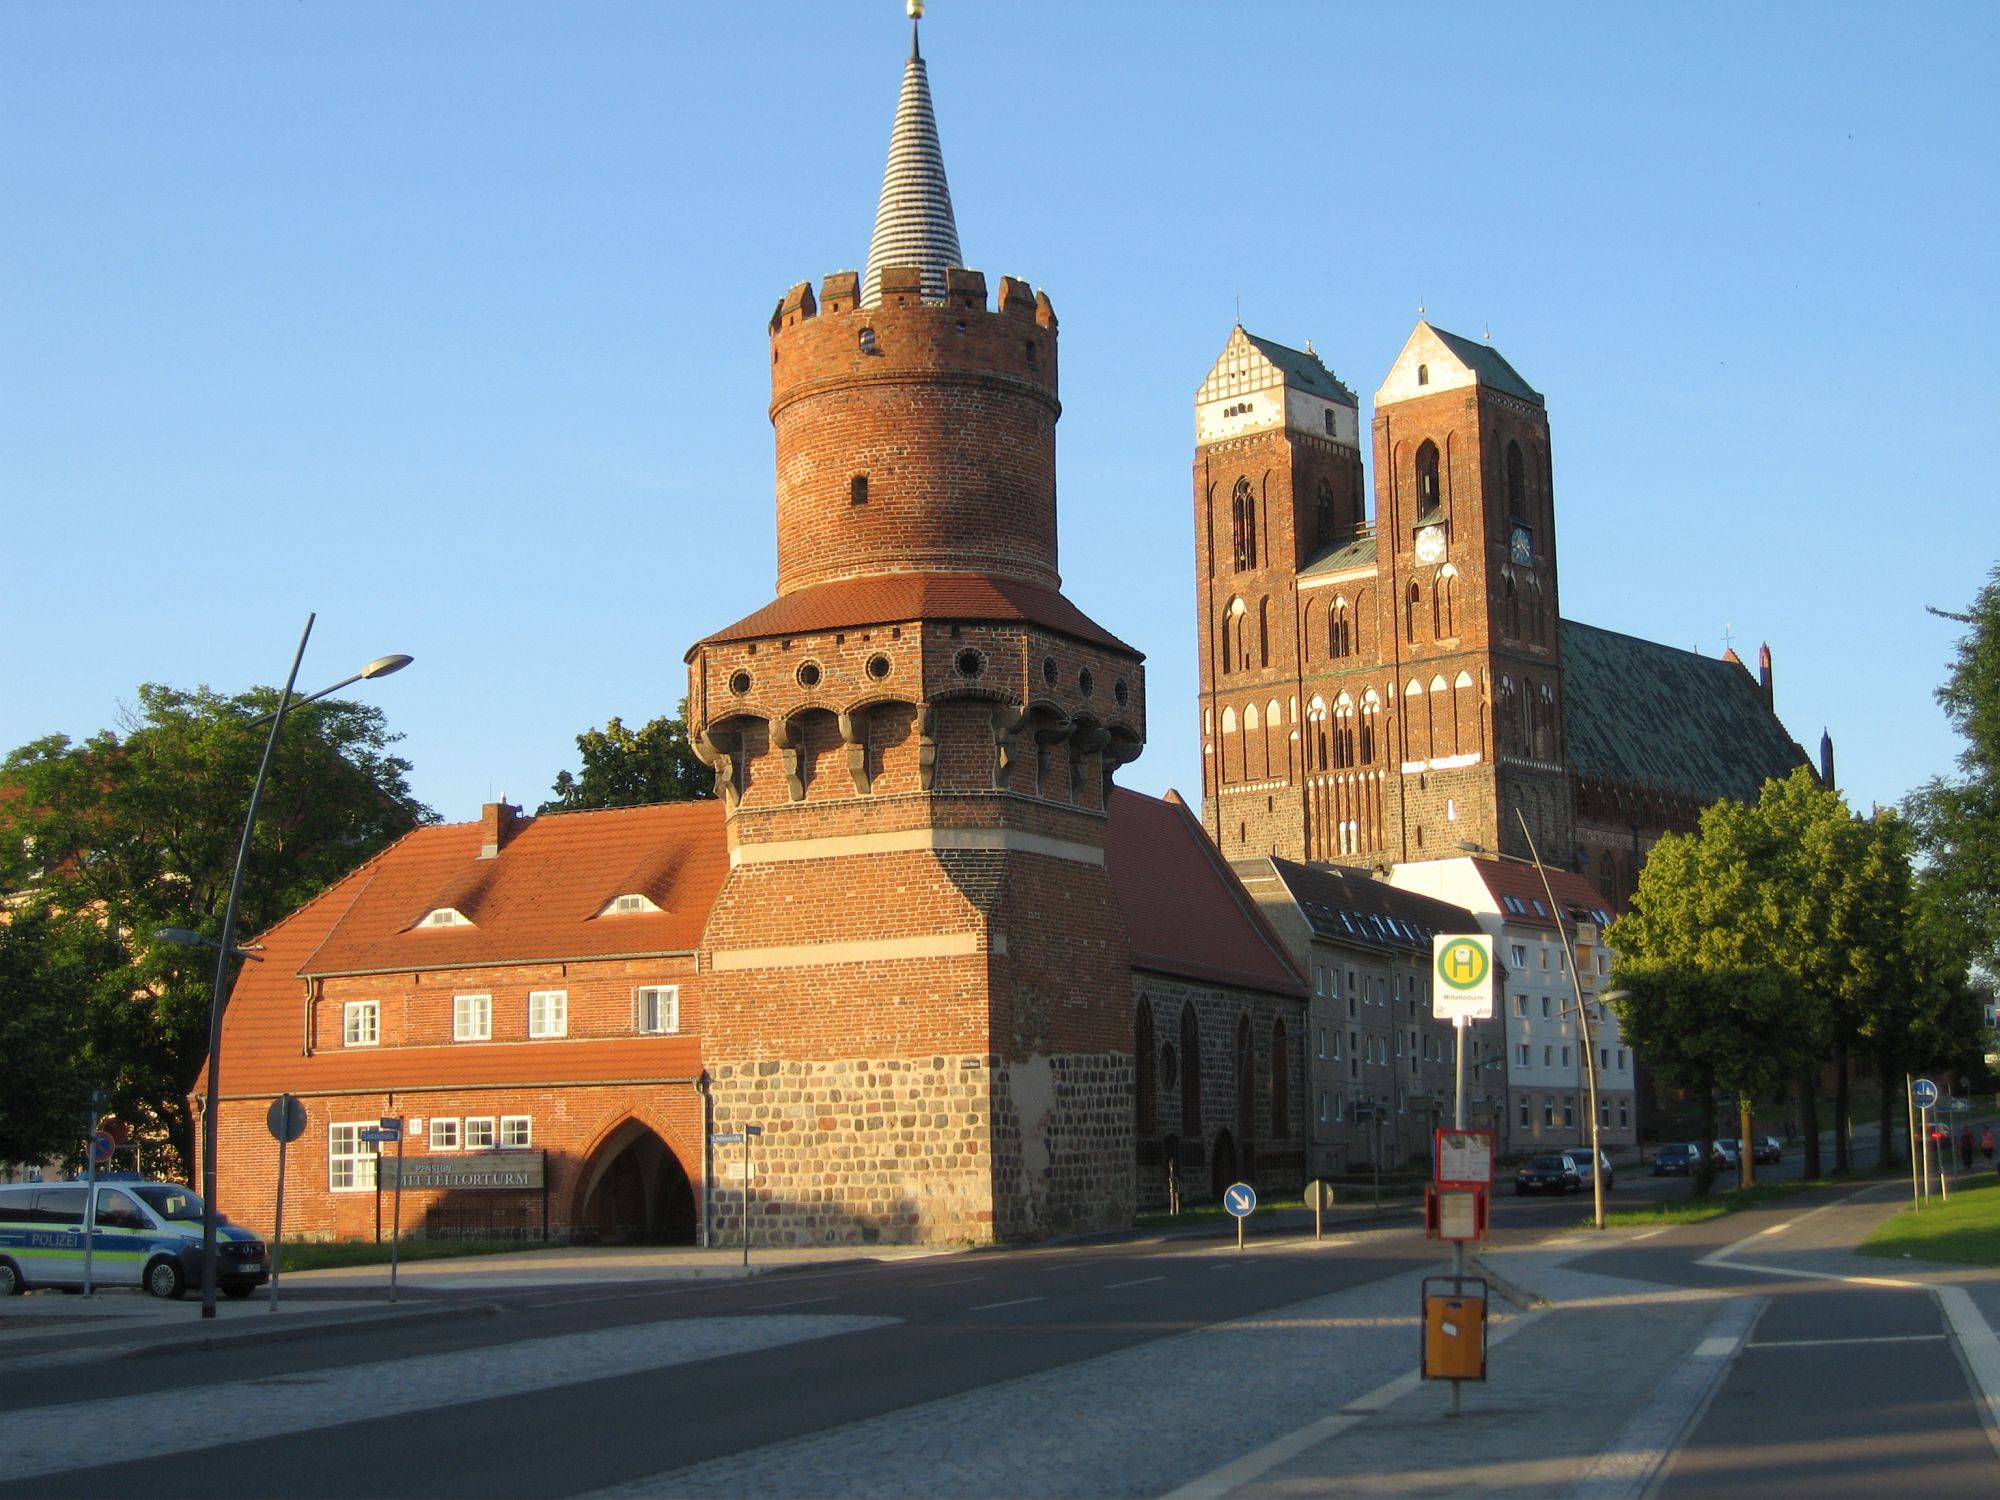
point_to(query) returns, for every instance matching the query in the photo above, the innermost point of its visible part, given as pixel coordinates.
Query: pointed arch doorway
(634, 1191)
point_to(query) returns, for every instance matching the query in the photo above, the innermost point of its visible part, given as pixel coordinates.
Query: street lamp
(1582, 1010)
(225, 946)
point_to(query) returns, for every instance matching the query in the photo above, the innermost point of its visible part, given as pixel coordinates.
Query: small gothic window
(1243, 520)
(1517, 504)
(1323, 509)
(1331, 429)
(1423, 374)
(1263, 632)
(857, 490)
(1339, 641)
(1427, 478)
(1410, 607)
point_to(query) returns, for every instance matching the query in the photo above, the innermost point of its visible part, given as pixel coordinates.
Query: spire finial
(914, 226)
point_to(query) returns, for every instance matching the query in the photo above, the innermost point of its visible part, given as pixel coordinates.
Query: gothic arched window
(1371, 717)
(1190, 1073)
(1410, 606)
(1343, 733)
(1323, 513)
(1427, 478)
(1444, 603)
(1281, 1083)
(1264, 632)
(1243, 520)
(1339, 639)
(1517, 485)
(1145, 1106)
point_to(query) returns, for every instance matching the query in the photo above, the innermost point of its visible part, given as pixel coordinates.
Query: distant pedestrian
(1986, 1144)
(1965, 1148)
(1791, 1130)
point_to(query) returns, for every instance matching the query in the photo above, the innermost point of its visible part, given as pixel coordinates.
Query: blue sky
(447, 321)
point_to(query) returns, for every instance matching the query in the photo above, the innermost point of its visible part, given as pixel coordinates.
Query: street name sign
(1462, 975)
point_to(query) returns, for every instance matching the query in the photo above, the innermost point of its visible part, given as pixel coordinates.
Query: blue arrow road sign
(1240, 1199)
(1924, 1092)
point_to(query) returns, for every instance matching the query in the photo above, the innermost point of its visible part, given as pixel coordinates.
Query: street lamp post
(1582, 1011)
(226, 949)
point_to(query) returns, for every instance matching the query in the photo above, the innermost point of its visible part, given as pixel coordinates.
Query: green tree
(1797, 886)
(1958, 819)
(51, 967)
(624, 768)
(136, 829)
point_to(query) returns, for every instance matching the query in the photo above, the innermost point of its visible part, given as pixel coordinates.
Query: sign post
(1461, 990)
(742, 1137)
(390, 1128)
(1240, 1199)
(1923, 1098)
(286, 1121)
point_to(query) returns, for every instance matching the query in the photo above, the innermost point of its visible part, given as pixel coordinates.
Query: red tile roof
(1185, 910)
(542, 897)
(1503, 878)
(893, 598)
(536, 902)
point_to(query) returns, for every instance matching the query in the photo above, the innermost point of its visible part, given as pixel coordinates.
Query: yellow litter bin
(1454, 1328)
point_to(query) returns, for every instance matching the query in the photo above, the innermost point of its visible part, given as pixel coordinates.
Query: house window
(1322, 1042)
(1322, 1107)
(1569, 1110)
(444, 1135)
(471, 1018)
(1603, 1058)
(1624, 1114)
(1521, 1006)
(1548, 1110)
(1603, 1111)
(1545, 1007)
(517, 1132)
(548, 1013)
(350, 1165)
(657, 1009)
(1565, 1057)
(1525, 1122)
(1520, 955)
(1521, 1055)
(1548, 1057)
(480, 1133)
(1621, 1059)
(361, 1024)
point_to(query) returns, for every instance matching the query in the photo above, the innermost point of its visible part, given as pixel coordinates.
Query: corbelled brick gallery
(966, 988)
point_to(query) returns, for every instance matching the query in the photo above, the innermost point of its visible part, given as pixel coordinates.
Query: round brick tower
(919, 976)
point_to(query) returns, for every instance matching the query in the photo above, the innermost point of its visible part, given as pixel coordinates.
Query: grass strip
(1697, 1210)
(1961, 1231)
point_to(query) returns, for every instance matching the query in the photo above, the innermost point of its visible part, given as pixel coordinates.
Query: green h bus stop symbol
(1462, 975)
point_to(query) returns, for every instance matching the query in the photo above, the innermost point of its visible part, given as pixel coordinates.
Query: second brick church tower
(921, 982)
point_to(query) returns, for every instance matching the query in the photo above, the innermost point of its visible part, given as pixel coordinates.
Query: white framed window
(361, 1023)
(1603, 1111)
(1565, 1057)
(1336, 1045)
(445, 916)
(1399, 1044)
(1545, 1007)
(471, 1018)
(1603, 1058)
(1569, 1110)
(1548, 1057)
(1521, 1054)
(1544, 952)
(444, 1134)
(1624, 1114)
(1621, 1059)
(631, 901)
(1322, 1041)
(480, 1133)
(1548, 1109)
(1520, 953)
(1521, 1006)
(548, 1013)
(517, 1132)
(656, 1008)
(1322, 1107)
(1524, 1112)
(350, 1162)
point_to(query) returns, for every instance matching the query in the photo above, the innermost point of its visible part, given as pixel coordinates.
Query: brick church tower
(1378, 691)
(921, 979)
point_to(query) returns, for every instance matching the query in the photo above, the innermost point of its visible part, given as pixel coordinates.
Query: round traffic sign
(1462, 963)
(1924, 1092)
(286, 1118)
(1240, 1199)
(101, 1147)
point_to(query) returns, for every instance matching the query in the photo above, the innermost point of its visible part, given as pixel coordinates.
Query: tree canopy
(1785, 933)
(1957, 819)
(625, 768)
(105, 842)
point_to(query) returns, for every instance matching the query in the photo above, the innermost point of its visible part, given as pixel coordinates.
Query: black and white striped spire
(913, 220)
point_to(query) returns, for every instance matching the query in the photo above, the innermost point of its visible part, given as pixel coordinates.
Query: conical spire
(913, 222)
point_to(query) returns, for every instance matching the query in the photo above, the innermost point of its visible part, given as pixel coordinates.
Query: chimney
(1764, 676)
(496, 826)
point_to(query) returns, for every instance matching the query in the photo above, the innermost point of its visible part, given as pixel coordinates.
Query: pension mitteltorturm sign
(510, 1170)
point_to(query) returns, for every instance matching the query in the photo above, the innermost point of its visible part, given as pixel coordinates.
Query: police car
(142, 1233)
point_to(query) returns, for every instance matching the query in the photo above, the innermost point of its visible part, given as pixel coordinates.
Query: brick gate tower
(921, 982)
(1377, 691)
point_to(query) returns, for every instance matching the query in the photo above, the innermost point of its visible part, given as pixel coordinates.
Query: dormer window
(629, 902)
(446, 916)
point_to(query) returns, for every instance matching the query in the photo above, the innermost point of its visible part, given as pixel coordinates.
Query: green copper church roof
(1658, 716)
(1303, 370)
(1489, 364)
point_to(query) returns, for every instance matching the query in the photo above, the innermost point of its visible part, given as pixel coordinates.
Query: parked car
(1765, 1148)
(1580, 1160)
(1726, 1155)
(1548, 1174)
(1676, 1159)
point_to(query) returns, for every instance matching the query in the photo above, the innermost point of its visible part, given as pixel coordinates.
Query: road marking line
(1260, 1461)
(1895, 1338)
(1790, 1274)
(1980, 1352)
(1649, 1234)
(961, 1281)
(795, 1302)
(1016, 1302)
(1634, 1460)
(1777, 1228)
(1114, 1286)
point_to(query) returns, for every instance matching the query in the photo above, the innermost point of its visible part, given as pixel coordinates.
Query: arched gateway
(634, 1190)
